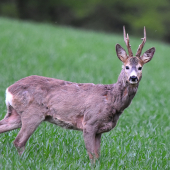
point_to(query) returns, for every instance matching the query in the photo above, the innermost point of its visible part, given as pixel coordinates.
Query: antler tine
(138, 53)
(124, 32)
(126, 39)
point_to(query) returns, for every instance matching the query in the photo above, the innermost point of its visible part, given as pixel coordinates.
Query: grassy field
(141, 139)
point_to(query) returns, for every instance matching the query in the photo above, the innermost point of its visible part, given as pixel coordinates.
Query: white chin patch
(133, 82)
(9, 98)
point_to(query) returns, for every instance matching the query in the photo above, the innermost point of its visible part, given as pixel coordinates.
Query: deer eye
(127, 67)
(139, 68)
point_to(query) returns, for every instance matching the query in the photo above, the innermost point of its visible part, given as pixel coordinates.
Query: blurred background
(106, 16)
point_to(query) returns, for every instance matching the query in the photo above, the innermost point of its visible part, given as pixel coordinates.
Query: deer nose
(133, 78)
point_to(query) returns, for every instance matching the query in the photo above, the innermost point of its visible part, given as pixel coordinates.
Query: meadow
(141, 138)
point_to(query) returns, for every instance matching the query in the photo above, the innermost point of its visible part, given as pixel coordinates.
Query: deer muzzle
(133, 79)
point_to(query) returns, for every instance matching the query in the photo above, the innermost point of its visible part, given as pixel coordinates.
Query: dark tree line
(108, 15)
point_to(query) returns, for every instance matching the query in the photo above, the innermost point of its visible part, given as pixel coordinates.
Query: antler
(126, 39)
(141, 45)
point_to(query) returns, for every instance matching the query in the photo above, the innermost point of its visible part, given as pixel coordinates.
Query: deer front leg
(89, 135)
(97, 145)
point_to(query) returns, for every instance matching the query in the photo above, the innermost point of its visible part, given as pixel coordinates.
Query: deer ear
(121, 53)
(147, 56)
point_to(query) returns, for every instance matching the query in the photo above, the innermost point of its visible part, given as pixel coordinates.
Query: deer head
(132, 65)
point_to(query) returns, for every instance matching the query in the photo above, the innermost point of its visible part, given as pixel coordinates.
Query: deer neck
(123, 92)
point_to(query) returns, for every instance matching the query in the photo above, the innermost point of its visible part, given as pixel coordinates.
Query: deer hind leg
(30, 121)
(11, 121)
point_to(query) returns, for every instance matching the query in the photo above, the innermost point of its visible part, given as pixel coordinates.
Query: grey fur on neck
(122, 93)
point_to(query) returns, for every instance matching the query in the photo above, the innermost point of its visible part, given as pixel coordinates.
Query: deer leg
(29, 125)
(11, 121)
(89, 139)
(97, 145)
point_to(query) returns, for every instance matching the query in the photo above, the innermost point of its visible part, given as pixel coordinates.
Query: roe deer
(93, 109)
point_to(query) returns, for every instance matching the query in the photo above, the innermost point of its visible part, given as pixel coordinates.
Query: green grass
(141, 138)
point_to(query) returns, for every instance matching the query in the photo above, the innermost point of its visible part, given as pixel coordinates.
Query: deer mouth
(133, 80)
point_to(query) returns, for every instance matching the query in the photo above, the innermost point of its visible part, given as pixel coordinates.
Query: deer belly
(74, 124)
